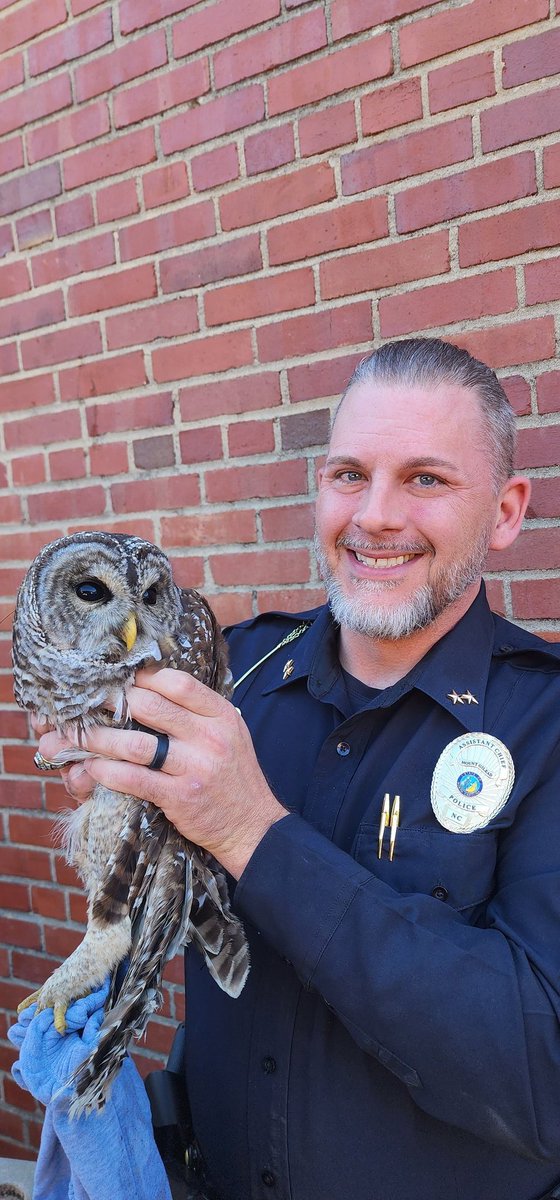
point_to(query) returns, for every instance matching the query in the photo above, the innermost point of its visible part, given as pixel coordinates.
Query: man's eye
(350, 476)
(427, 481)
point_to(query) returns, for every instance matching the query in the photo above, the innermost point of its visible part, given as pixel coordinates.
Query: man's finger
(179, 688)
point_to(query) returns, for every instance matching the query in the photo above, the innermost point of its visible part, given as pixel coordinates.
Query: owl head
(91, 609)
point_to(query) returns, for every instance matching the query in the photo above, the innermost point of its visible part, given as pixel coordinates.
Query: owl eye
(93, 591)
(150, 596)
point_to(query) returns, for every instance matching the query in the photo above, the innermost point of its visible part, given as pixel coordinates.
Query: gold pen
(383, 822)
(395, 818)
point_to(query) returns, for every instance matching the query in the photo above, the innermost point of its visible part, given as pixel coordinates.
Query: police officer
(388, 809)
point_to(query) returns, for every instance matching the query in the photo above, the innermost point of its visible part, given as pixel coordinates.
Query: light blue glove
(109, 1155)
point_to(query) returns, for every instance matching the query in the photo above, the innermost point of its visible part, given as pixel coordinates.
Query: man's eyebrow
(410, 464)
(345, 460)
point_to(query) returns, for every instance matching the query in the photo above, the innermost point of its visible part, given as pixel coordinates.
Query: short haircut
(427, 362)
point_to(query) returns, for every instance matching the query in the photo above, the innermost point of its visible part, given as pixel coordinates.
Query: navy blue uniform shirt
(398, 1036)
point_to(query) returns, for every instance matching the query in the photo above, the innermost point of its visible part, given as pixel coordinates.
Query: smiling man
(389, 805)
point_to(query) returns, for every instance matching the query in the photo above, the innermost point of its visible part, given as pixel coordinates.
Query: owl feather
(92, 609)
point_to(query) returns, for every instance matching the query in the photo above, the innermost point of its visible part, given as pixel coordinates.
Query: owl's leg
(102, 949)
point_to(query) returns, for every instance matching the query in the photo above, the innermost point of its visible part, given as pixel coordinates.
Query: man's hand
(211, 786)
(75, 778)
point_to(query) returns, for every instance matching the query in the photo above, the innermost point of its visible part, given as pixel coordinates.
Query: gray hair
(426, 362)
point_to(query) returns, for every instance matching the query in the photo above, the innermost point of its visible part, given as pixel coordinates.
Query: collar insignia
(288, 669)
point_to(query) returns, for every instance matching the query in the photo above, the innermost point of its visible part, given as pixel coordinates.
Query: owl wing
(201, 646)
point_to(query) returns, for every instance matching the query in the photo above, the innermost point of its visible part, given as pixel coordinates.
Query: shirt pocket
(456, 868)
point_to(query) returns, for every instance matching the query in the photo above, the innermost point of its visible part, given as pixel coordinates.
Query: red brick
(279, 195)
(230, 607)
(35, 431)
(28, 470)
(330, 127)
(250, 437)
(62, 346)
(105, 375)
(226, 396)
(542, 281)
(62, 505)
(226, 258)
(60, 940)
(110, 458)
(533, 58)
(114, 157)
(154, 96)
(387, 107)
(369, 270)
(106, 72)
(301, 430)
(31, 187)
(73, 215)
(111, 291)
(539, 448)
(89, 254)
(462, 82)
(534, 598)
(518, 393)
(222, 19)
(260, 297)
(14, 278)
(353, 16)
(16, 1097)
(520, 120)
(143, 495)
(10, 509)
(548, 392)
(213, 118)
(162, 185)
(23, 545)
(117, 200)
(11, 72)
(545, 497)
(133, 17)
(32, 103)
(201, 445)
(6, 240)
(84, 125)
(281, 44)
(551, 163)
(280, 524)
(326, 76)
(203, 356)
(81, 6)
(32, 968)
(29, 864)
(217, 166)
(466, 191)
(288, 478)
(269, 149)
(509, 233)
(140, 412)
(12, 155)
(335, 229)
(465, 299)
(174, 228)
(12, 1126)
(209, 529)
(290, 338)
(409, 154)
(34, 229)
(20, 27)
(313, 381)
(166, 319)
(289, 600)
(74, 42)
(508, 345)
(260, 566)
(67, 464)
(150, 454)
(14, 896)
(9, 362)
(188, 572)
(78, 908)
(451, 29)
(38, 311)
(20, 933)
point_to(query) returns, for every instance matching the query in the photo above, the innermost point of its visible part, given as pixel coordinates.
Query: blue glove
(110, 1155)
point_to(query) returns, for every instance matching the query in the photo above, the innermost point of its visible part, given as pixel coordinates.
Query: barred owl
(93, 608)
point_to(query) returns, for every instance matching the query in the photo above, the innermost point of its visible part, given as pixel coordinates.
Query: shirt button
(343, 749)
(269, 1065)
(268, 1178)
(440, 892)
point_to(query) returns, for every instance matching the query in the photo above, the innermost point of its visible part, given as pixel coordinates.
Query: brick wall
(209, 210)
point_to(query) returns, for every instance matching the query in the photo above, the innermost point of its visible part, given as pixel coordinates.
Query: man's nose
(381, 508)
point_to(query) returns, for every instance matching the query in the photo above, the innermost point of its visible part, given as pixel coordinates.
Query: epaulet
(512, 640)
(301, 627)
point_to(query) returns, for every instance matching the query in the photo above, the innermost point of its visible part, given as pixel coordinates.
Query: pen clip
(383, 822)
(395, 819)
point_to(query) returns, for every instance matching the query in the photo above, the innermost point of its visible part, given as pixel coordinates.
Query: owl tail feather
(214, 929)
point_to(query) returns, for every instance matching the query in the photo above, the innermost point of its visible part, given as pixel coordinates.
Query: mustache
(392, 549)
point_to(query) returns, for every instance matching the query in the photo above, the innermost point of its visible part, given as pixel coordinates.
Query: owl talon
(60, 1018)
(29, 1000)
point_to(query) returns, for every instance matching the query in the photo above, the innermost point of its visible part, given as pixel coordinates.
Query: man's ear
(512, 504)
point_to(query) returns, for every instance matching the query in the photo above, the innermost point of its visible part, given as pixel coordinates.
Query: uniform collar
(455, 669)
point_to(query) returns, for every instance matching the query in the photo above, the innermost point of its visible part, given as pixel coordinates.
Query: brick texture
(209, 211)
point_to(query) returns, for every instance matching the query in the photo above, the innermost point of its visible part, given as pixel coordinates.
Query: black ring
(162, 750)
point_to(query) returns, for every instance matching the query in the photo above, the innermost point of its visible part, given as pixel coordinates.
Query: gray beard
(361, 614)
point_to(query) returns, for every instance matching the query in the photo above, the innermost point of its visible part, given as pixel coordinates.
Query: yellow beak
(129, 631)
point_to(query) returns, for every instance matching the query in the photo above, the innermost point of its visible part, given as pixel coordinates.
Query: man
(388, 809)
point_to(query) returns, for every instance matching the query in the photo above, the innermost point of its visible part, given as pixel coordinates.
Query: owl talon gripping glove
(110, 1155)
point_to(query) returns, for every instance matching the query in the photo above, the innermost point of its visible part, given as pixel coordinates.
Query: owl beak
(129, 631)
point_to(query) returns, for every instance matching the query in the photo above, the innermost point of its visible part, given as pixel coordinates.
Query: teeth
(383, 562)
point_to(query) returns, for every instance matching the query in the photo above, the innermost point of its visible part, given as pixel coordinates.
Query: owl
(92, 609)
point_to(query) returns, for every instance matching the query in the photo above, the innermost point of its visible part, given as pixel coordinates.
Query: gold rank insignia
(288, 669)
